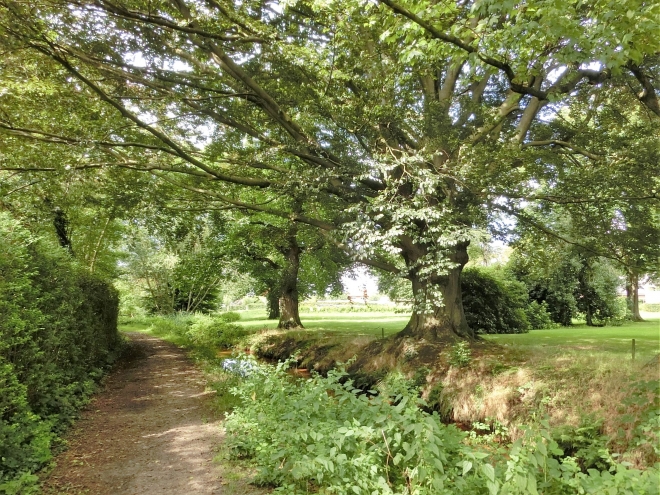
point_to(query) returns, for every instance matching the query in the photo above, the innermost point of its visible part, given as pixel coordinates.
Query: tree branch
(648, 95)
(155, 132)
(537, 225)
(564, 144)
(295, 217)
(161, 21)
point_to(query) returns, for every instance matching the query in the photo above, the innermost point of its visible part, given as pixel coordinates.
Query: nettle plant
(324, 435)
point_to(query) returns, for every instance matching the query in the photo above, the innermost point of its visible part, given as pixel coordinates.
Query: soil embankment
(151, 431)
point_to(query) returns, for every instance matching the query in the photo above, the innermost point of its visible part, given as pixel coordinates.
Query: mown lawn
(578, 337)
(354, 323)
(583, 338)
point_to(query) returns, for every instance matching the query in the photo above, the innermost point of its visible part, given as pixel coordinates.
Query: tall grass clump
(324, 436)
(58, 330)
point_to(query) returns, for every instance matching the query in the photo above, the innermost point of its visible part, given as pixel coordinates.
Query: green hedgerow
(58, 329)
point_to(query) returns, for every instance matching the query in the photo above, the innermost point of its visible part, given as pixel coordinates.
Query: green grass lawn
(581, 337)
(353, 323)
(578, 337)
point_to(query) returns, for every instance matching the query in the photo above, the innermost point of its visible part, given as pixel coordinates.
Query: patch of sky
(359, 280)
(136, 59)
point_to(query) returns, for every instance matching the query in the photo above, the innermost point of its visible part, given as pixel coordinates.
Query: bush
(200, 331)
(586, 443)
(229, 317)
(493, 303)
(175, 325)
(460, 355)
(538, 316)
(651, 308)
(58, 330)
(214, 332)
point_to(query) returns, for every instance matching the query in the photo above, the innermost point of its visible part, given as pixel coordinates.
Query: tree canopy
(399, 128)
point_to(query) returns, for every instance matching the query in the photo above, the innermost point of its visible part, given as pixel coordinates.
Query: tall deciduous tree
(410, 121)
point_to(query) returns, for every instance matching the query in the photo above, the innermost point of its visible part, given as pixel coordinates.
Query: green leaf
(488, 471)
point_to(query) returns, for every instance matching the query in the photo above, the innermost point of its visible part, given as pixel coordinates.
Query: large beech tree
(411, 122)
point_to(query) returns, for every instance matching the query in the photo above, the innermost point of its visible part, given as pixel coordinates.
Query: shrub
(229, 317)
(198, 330)
(538, 316)
(175, 325)
(493, 303)
(460, 354)
(58, 329)
(586, 443)
(651, 308)
(214, 332)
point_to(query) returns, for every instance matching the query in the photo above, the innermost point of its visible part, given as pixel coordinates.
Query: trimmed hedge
(58, 330)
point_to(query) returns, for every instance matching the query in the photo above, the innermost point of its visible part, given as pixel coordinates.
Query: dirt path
(151, 431)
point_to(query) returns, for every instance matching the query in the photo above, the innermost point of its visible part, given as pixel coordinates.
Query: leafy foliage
(645, 401)
(538, 315)
(323, 434)
(460, 355)
(586, 443)
(570, 284)
(216, 332)
(397, 127)
(493, 303)
(58, 329)
(203, 332)
(183, 274)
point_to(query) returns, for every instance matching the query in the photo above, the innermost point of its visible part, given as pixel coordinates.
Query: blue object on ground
(239, 367)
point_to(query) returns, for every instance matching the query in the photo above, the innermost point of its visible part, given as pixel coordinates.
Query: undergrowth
(204, 334)
(324, 435)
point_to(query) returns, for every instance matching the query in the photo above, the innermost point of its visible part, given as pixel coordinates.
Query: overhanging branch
(539, 226)
(564, 144)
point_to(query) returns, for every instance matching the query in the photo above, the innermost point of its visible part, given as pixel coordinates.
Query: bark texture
(632, 295)
(447, 321)
(288, 302)
(273, 298)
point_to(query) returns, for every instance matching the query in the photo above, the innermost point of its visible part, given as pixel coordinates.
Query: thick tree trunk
(634, 285)
(289, 314)
(273, 299)
(445, 322)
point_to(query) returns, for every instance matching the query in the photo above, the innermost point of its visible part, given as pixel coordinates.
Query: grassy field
(581, 337)
(355, 323)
